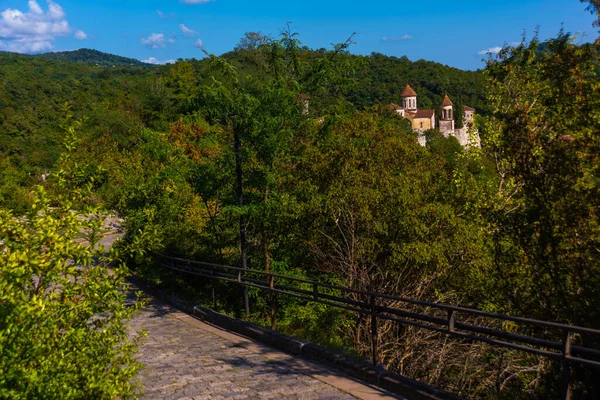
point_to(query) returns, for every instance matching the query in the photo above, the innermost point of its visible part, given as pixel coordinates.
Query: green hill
(94, 57)
(380, 79)
(119, 100)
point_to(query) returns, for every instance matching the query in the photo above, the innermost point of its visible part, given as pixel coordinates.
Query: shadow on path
(184, 358)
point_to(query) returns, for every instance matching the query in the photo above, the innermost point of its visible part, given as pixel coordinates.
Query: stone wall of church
(446, 127)
(422, 124)
(468, 137)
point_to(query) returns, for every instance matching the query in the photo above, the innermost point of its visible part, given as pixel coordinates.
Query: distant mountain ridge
(94, 57)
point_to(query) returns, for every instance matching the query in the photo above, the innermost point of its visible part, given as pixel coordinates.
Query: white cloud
(187, 31)
(156, 41)
(198, 44)
(21, 46)
(195, 1)
(396, 39)
(80, 35)
(155, 61)
(35, 8)
(32, 31)
(55, 11)
(162, 15)
(491, 50)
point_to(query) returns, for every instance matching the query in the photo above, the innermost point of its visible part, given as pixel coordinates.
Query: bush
(63, 331)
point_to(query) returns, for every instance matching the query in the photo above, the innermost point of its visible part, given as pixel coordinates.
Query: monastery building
(424, 120)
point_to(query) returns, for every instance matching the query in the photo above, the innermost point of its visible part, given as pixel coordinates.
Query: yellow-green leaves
(56, 340)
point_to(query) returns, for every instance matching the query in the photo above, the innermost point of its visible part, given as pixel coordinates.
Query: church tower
(409, 98)
(447, 117)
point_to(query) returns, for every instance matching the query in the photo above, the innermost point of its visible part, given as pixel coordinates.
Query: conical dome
(408, 92)
(446, 102)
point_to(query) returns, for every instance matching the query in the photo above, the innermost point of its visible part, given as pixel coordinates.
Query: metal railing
(563, 351)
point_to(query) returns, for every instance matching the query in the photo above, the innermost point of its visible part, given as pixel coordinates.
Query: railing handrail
(444, 306)
(563, 351)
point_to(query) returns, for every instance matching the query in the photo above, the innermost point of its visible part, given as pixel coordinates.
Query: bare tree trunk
(265, 245)
(265, 235)
(240, 196)
(213, 219)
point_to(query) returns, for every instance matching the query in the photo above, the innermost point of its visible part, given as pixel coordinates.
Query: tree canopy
(281, 158)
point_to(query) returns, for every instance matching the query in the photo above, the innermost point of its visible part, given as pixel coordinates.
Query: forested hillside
(94, 57)
(221, 154)
(380, 79)
(130, 96)
(32, 94)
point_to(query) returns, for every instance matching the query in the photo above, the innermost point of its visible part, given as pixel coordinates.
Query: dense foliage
(281, 158)
(62, 315)
(93, 57)
(119, 101)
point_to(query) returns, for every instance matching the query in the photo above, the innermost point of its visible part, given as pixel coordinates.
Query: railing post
(244, 293)
(451, 321)
(213, 285)
(566, 373)
(374, 331)
(272, 286)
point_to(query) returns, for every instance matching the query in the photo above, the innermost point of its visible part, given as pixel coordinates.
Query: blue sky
(456, 33)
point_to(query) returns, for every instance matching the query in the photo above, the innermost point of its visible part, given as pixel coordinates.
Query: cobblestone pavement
(183, 361)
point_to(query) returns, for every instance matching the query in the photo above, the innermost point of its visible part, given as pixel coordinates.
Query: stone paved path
(187, 359)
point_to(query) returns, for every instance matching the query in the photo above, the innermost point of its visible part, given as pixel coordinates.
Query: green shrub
(63, 331)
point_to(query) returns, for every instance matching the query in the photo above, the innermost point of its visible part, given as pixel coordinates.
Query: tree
(253, 41)
(544, 137)
(594, 8)
(380, 213)
(260, 114)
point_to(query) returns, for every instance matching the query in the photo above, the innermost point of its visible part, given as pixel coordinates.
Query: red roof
(408, 92)
(469, 109)
(446, 102)
(395, 107)
(424, 114)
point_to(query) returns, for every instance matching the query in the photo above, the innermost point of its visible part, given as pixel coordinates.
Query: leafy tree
(253, 41)
(260, 114)
(594, 8)
(544, 136)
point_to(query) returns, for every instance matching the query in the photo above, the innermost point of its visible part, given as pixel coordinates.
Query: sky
(456, 33)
